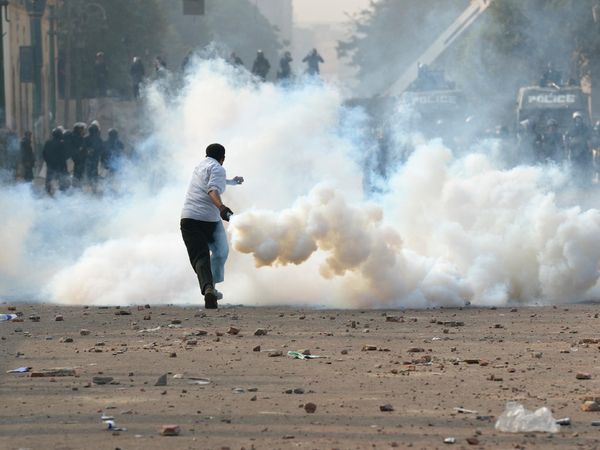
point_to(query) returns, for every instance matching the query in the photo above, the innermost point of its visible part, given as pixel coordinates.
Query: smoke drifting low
(449, 230)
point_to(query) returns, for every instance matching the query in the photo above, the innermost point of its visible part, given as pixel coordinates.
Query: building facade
(28, 58)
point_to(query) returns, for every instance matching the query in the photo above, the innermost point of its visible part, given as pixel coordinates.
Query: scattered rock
(415, 350)
(58, 372)
(590, 406)
(170, 430)
(34, 318)
(583, 376)
(233, 331)
(84, 332)
(256, 349)
(449, 440)
(450, 323)
(299, 391)
(369, 348)
(122, 312)
(275, 353)
(310, 408)
(393, 319)
(66, 340)
(58, 318)
(386, 408)
(473, 441)
(260, 332)
(102, 380)
(162, 380)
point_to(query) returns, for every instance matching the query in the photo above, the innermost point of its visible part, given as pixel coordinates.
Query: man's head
(216, 151)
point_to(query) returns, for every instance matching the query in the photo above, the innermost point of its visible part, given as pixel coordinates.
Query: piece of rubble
(233, 330)
(310, 408)
(170, 430)
(386, 408)
(57, 372)
(84, 332)
(101, 380)
(583, 376)
(590, 406)
(369, 348)
(161, 381)
(260, 332)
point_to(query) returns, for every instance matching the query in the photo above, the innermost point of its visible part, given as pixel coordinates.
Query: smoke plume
(449, 229)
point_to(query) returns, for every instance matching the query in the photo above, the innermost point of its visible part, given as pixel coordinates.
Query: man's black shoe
(210, 298)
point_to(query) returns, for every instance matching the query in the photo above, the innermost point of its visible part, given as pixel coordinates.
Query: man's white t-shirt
(208, 176)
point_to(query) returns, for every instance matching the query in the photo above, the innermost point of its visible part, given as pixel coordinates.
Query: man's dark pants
(197, 235)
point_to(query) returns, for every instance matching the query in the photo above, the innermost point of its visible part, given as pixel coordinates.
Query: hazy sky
(326, 10)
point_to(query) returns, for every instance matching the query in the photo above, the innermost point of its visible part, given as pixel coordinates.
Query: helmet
(113, 133)
(552, 123)
(577, 114)
(96, 124)
(58, 132)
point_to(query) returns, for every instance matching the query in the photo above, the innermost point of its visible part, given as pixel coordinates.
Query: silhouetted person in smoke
(201, 225)
(27, 156)
(160, 67)
(186, 61)
(235, 60)
(551, 147)
(551, 77)
(113, 152)
(285, 67)
(56, 161)
(94, 147)
(261, 66)
(577, 140)
(76, 151)
(137, 72)
(101, 74)
(313, 59)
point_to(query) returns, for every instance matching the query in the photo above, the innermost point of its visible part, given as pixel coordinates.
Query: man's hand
(225, 213)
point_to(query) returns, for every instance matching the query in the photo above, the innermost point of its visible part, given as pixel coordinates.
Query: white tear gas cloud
(448, 230)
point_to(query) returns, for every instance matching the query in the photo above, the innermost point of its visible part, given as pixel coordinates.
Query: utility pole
(35, 10)
(52, 81)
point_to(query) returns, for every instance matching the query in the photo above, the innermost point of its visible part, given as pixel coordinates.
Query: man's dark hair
(216, 151)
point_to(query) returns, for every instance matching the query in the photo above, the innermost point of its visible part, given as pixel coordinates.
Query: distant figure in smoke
(551, 146)
(27, 156)
(261, 66)
(201, 226)
(101, 74)
(285, 67)
(56, 161)
(75, 151)
(94, 148)
(551, 77)
(160, 67)
(577, 140)
(113, 152)
(137, 72)
(313, 59)
(235, 60)
(186, 61)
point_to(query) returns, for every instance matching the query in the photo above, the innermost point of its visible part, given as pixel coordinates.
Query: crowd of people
(261, 67)
(75, 158)
(579, 144)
